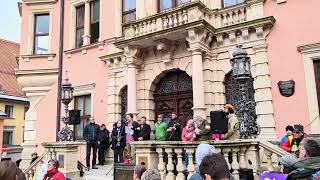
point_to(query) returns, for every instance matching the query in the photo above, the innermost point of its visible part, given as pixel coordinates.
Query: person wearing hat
(287, 140)
(298, 136)
(34, 156)
(233, 123)
(53, 173)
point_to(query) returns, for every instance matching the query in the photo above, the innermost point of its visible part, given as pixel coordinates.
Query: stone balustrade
(172, 18)
(190, 13)
(231, 16)
(33, 170)
(241, 154)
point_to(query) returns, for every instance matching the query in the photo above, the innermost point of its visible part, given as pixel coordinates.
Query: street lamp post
(66, 134)
(241, 72)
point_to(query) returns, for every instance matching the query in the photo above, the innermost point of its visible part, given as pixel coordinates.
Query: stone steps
(99, 174)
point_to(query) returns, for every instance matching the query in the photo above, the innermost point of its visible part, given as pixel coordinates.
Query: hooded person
(287, 161)
(202, 151)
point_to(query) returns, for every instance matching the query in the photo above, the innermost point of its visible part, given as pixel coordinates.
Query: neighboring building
(158, 56)
(12, 99)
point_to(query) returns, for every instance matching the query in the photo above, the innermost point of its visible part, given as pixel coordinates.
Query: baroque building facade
(158, 56)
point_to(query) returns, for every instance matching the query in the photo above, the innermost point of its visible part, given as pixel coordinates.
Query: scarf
(50, 174)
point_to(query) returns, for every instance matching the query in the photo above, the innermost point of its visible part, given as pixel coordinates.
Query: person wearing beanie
(202, 151)
(287, 140)
(287, 161)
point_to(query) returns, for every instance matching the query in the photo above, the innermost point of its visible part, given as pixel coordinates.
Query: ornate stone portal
(200, 42)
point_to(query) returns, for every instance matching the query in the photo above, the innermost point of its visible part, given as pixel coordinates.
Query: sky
(10, 21)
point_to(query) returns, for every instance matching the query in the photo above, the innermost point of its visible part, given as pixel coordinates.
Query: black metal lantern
(66, 92)
(241, 72)
(66, 133)
(240, 64)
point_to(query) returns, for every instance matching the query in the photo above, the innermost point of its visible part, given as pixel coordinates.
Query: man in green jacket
(309, 165)
(161, 129)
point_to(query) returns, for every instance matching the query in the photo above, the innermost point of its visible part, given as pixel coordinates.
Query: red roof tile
(8, 81)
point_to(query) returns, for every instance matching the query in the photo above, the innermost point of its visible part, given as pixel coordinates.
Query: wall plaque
(286, 88)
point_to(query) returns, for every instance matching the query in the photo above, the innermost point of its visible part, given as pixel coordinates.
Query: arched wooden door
(174, 94)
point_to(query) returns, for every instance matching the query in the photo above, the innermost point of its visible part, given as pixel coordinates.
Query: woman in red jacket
(53, 173)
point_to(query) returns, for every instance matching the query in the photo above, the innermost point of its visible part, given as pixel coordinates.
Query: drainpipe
(60, 69)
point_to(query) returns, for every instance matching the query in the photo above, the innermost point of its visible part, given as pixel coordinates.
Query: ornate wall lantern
(240, 64)
(241, 72)
(66, 133)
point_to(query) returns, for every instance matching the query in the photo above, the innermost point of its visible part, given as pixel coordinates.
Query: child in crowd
(287, 140)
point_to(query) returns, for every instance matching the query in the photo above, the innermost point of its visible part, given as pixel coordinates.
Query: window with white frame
(9, 110)
(227, 3)
(41, 34)
(94, 21)
(128, 10)
(82, 103)
(79, 25)
(8, 135)
(164, 5)
(94, 13)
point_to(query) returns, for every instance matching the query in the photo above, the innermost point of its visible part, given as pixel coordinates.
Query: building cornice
(38, 71)
(309, 48)
(31, 2)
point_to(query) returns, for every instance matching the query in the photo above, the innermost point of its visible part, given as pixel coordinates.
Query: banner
(273, 176)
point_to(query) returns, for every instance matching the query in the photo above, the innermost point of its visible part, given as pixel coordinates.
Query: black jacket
(104, 138)
(115, 139)
(174, 135)
(142, 131)
(91, 132)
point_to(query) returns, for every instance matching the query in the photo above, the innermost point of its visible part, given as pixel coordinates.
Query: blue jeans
(93, 145)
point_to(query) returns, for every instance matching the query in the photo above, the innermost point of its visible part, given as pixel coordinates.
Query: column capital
(133, 55)
(199, 39)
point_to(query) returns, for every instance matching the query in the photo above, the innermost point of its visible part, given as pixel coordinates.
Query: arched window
(232, 91)
(124, 101)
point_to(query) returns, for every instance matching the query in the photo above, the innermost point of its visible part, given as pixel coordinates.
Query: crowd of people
(168, 129)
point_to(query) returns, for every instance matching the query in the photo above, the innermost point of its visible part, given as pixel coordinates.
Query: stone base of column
(200, 111)
(28, 149)
(67, 154)
(147, 155)
(268, 134)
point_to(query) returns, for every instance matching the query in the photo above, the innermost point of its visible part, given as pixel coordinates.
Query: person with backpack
(309, 165)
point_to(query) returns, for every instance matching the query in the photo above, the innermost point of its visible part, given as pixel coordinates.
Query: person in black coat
(118, 141)
(142, 131)
(104, 141)
(174, 128)
(91, 135)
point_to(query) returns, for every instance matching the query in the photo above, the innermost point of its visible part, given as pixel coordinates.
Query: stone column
(86, 35)
(118, 18)
(132, 61)
(198, 84)
(198, 43)
(132, 88)
(30, 135)
(35, 91)
(263, 94)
